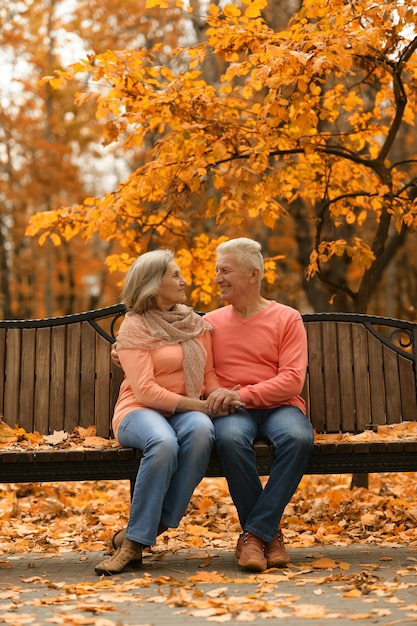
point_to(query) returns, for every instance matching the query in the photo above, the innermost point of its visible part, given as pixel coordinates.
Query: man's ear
(254, 275)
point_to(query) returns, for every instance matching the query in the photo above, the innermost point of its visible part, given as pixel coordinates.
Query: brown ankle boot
(275, 552)
(252, 556)
(239, 544)
(129, 554)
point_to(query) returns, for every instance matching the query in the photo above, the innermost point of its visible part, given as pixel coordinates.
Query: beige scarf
(154, 329)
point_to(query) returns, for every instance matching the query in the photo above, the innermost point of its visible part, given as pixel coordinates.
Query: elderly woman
(165, 350)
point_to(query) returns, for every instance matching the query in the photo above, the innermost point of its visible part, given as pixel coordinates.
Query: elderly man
(260, 356)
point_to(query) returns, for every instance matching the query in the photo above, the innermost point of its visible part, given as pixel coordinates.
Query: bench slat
(407, 389)
(361, 377)
(12, 381)
(43, 376)
(331, 379)
(315, 386)
(72, 375)
(2, 367)
(376, 381)
(346, 378)
(392, 386)
(87, 408)
(104, 395)
(57, 396)
(27, 382)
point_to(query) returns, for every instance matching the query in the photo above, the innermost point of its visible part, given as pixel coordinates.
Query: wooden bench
(56, 374)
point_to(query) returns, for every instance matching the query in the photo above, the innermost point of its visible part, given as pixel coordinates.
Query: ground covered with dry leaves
(69, 518)
(83, 516)
(52, 518)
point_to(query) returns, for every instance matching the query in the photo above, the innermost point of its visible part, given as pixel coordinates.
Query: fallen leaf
(58, 436)
(353, 593)
(7, 434)
(368, 519)
(318, 592)
(207, 577)
(324, 563)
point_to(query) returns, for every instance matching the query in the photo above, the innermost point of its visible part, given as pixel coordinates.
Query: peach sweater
(266, 354)
(155, 379)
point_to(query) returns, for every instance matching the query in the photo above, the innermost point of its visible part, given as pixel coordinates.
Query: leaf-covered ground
(83, 516)
(80, 518)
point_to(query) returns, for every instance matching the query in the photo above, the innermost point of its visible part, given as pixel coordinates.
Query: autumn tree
(50, 149)
(38, 168)
(308, 122)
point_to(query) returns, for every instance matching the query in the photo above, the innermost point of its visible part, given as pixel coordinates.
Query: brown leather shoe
(275, 552)
(129, 554)
(239, 544)
(252, 556)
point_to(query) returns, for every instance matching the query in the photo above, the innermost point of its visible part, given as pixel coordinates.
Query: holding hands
(224, 401)
(220, 402)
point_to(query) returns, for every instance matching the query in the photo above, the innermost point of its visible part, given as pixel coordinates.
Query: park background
(125, 126)
(128, 125)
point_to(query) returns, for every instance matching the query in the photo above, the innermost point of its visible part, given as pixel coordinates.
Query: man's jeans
(176, 452)
(260, 510)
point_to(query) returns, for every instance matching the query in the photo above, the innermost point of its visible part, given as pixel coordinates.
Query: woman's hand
(219, 413)
(224, 401)
(114, 355)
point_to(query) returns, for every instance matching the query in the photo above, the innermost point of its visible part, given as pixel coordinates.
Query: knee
(203, 424)
(199, 432)
(229, 435)
(301, 438)
(162, 448)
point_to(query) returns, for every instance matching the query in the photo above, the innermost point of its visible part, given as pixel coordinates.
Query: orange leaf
(353, 593)
(324, 563)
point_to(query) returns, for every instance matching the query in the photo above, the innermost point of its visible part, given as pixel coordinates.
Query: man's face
(231, 277)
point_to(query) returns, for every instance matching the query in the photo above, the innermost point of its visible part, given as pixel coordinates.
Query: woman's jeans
(176, 452)
(287, 428)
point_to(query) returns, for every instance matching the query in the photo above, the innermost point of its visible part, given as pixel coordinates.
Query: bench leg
(360, 480)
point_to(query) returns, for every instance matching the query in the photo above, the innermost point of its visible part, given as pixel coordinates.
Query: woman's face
(172, 289)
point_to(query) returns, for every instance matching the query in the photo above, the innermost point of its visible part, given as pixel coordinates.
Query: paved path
(322, 586)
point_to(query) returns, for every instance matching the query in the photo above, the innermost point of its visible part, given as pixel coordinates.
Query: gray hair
(144, 278)
(248, 253)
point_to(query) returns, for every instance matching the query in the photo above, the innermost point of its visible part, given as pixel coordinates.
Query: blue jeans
(176, 452)
(288, 429)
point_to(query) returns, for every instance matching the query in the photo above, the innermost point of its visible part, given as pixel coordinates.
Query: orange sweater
(266, 354)
(155, 379)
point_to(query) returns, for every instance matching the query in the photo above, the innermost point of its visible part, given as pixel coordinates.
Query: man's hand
(224, 401)
(114, 355)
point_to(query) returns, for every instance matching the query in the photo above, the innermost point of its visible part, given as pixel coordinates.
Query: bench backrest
(57, 373)
(361, 371)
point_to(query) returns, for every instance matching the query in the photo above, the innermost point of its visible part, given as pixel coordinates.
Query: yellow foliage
(298, 116)
(150, 4)
(231, 10)
(350, 217)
